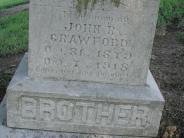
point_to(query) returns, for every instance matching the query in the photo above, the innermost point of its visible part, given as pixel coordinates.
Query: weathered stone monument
(87, 73)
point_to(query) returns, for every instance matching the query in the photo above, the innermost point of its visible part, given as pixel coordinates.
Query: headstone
(108, 44)
(88, 72)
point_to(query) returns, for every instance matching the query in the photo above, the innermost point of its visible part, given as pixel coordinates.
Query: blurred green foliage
(171, 11)
(13, 33)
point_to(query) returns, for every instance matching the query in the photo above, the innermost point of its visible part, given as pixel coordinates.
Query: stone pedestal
(83, 107)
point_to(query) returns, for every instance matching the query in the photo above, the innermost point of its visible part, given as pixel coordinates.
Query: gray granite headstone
(107, 44)
(87, 73)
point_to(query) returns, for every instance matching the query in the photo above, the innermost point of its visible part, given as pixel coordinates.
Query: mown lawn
(10, 3)
(13, 33)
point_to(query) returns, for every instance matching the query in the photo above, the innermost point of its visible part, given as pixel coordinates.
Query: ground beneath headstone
(167, 66)
(8, 66)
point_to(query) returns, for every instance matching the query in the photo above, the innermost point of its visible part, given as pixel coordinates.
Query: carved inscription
(83, 112)
(97, 47)
(111, 55)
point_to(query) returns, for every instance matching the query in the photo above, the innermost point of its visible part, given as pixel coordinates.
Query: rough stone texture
(6, 132)
(84, 107)
(108, 44)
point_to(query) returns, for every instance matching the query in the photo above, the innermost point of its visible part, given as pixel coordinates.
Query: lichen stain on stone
(83, 5)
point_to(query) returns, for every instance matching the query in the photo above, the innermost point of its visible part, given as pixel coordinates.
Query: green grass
(171, 11)
(13, 33)
(10, 3)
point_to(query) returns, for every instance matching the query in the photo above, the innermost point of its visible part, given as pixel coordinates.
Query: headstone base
(82, 107)
(6, 132)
